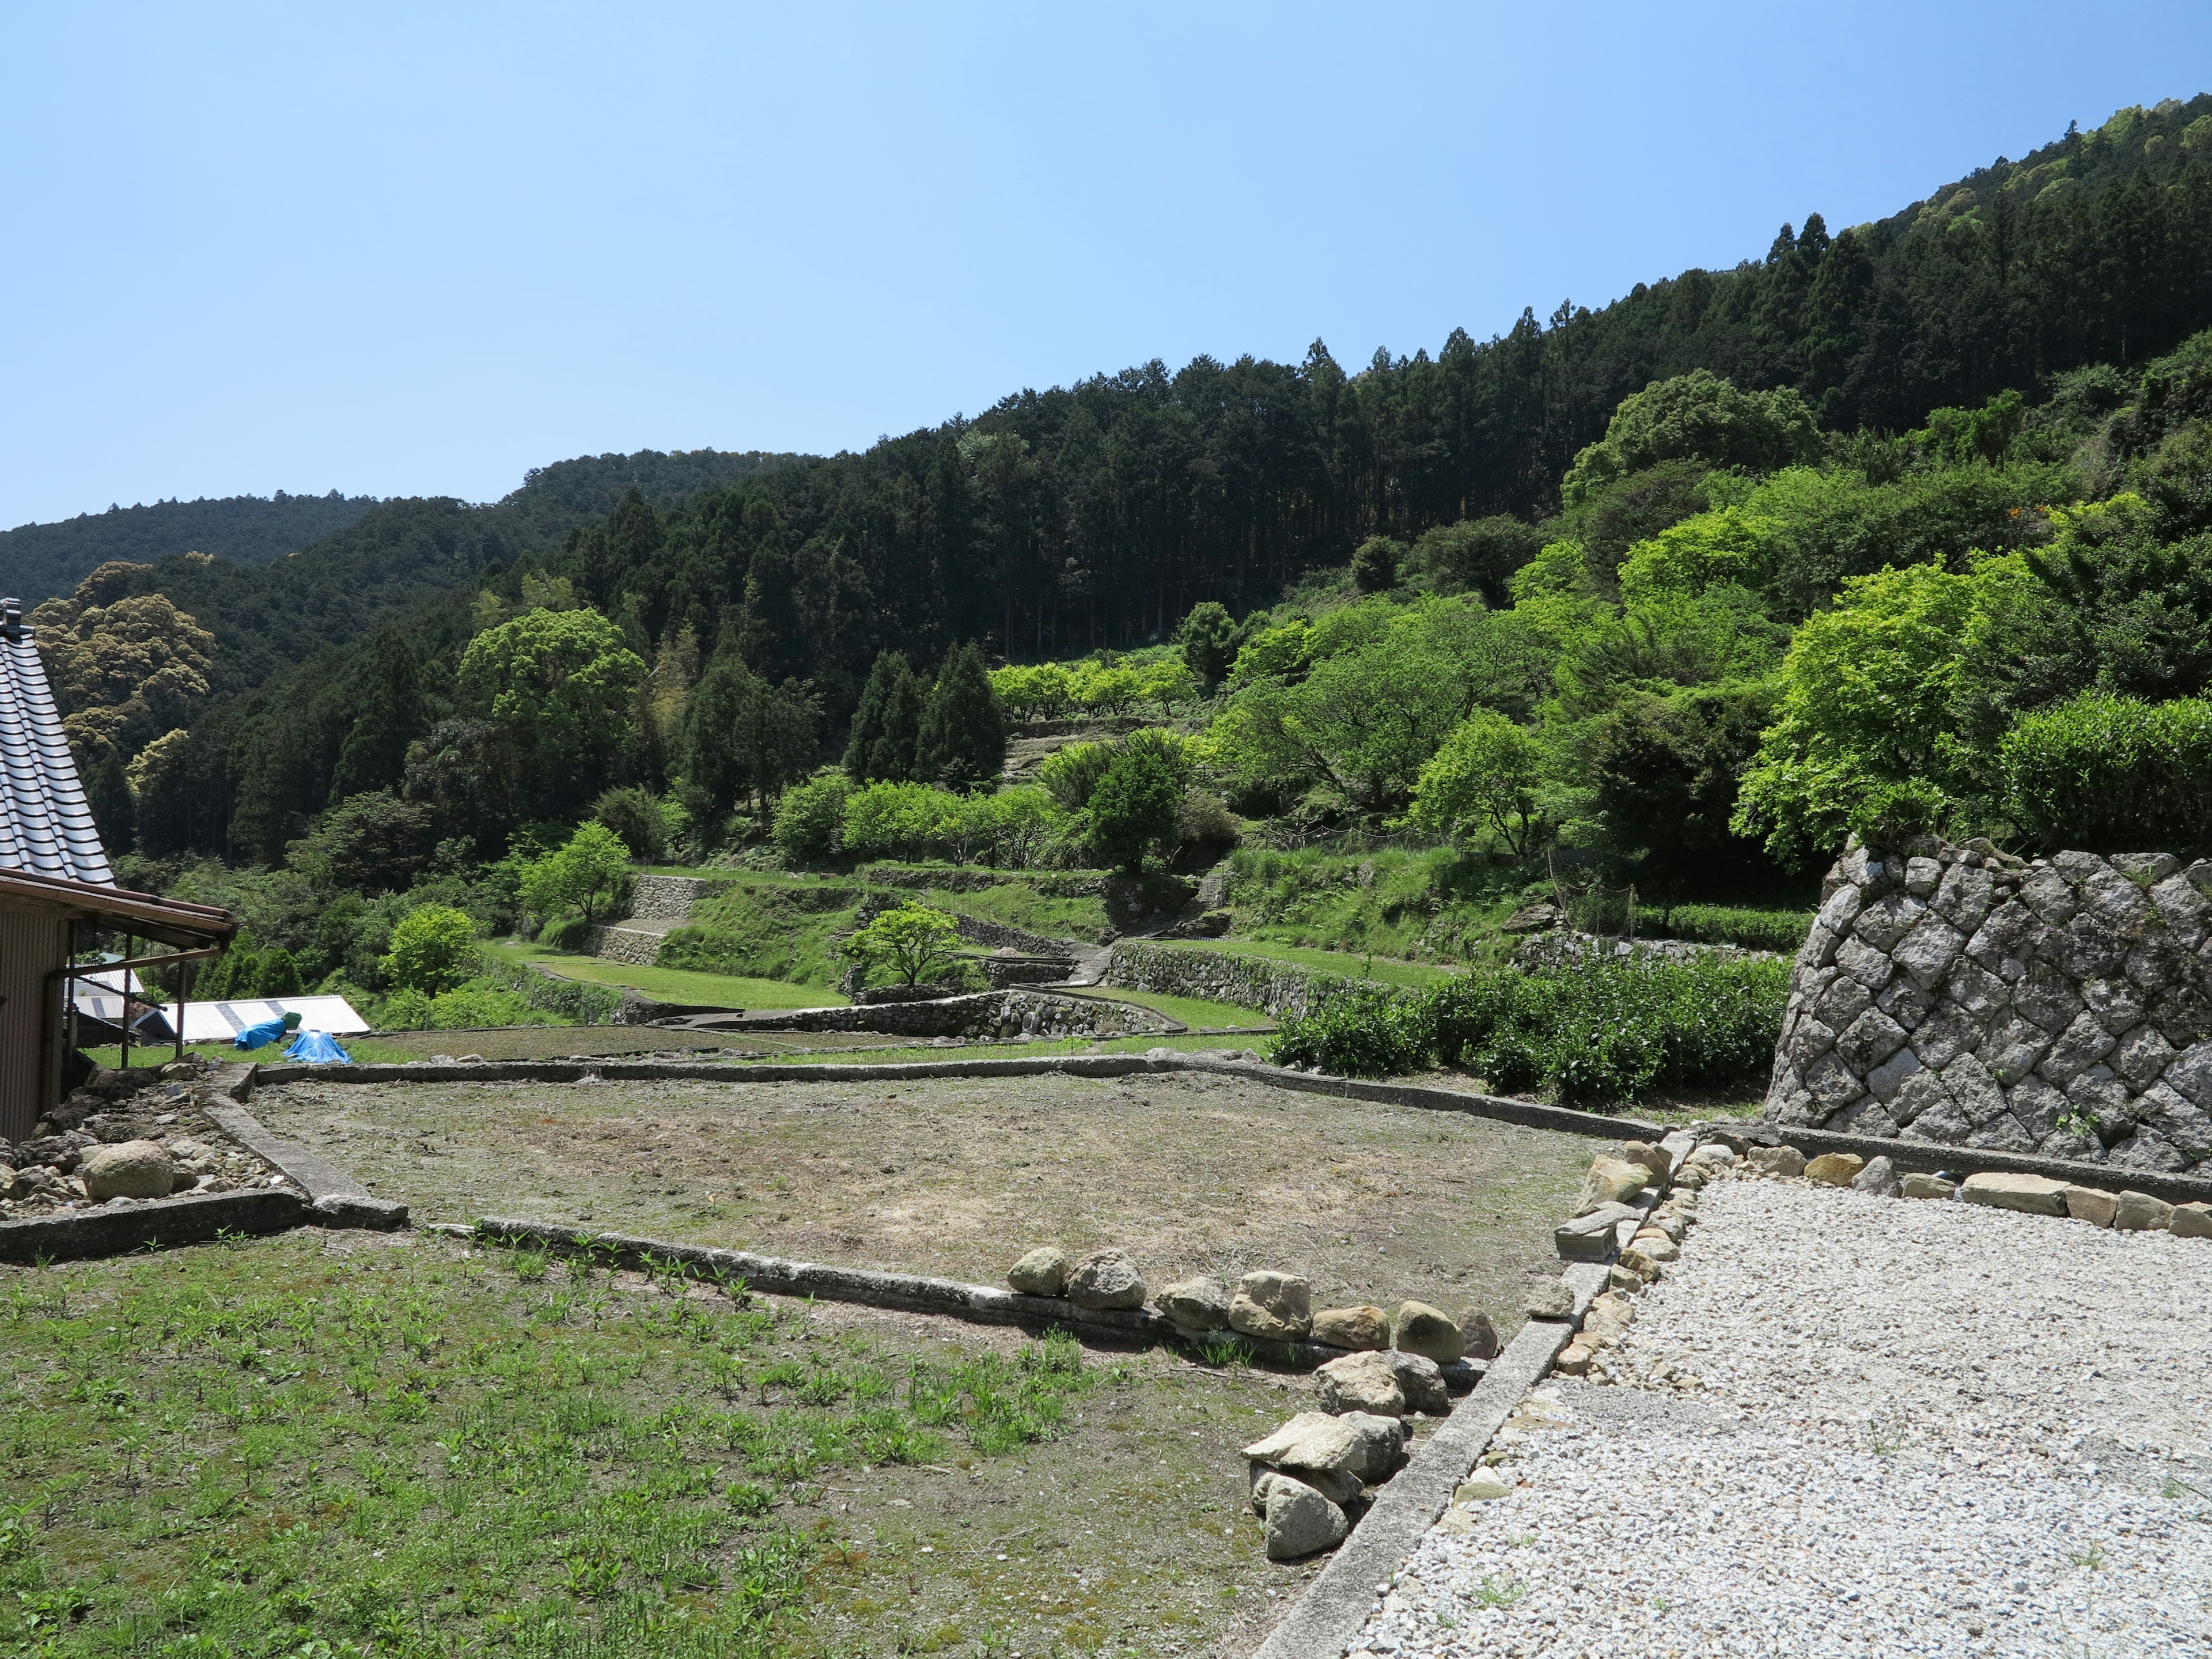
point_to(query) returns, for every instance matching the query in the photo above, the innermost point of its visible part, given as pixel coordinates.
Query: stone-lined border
(1527, 1114)
(1329, 1617)
(1927, 1157)
(192, 1218)
(984, 1305)
(334, 1198)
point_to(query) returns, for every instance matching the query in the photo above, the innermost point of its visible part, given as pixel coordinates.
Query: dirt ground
(960, 1177)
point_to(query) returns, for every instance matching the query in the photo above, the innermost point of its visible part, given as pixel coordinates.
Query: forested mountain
(1905, 353)
(38, 561)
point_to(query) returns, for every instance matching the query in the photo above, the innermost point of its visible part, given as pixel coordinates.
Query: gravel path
(1892, 1427)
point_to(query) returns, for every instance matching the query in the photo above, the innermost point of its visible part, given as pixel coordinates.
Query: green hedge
(1597, 1032)
(1782, 931)
(2114, 774)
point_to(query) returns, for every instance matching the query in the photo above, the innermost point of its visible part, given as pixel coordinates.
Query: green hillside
(38, 561)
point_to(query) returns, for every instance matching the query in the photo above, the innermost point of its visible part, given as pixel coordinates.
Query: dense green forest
(1957, 384)
(39, 561)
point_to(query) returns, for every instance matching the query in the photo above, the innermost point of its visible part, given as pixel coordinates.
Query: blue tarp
(258, 1037)
(318, 1048)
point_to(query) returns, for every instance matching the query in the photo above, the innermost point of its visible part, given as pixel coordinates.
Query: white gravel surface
(1914, 1428)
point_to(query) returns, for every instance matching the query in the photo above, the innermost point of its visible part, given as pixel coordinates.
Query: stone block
(1043, 1271)
(1964, 898)
(1879, 1178)
(1196, 1305)
(2036, 1105)
(1832, 1085)
(1840, 910)
(2001, 1190)
(2091, 1204)
(1106, 1278)
(1609, 1181)
(1870, 967)
(2117, 1004)
(1834, 1169)
(2002, 1133)
(1783, 1161)
(2080, 1046)
(1865, 1116)
(1968, 1083)
(2173, 1117)
(1590, 1237)
(1906, 1002)
(2149, 1151)
(1418, 1328)
(1919, 1185)
(2190, 1221)
(2012, 1047)
(2190, 1075)
(1359, 1383)
(2000, 938)
(2139, 1212)
(1884, 921)
(1843, 1001)
(1872, 1038)
(2047, 997)
(1363, 1327)
(1930, 952)
(1922, 876)
(2048, 893)
(1975, 989)
(2182, 908)
(1946, 1034)
(1275, 1307)
(1944, 1122)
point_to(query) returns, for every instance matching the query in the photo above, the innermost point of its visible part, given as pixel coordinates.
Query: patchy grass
(1440, 904)
(368, 1050)
(1190, 1171)
(339, 1445)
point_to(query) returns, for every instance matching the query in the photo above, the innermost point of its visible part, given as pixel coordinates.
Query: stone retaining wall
(985, 1013)
(660, 898)
(612, 942)
(1274, 987)
(1557, 950)
(1965, 996)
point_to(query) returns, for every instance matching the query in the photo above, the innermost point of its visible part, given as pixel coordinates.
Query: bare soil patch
(959, 1176)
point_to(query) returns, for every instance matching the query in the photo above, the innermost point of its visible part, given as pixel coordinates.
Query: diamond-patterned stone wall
(1961, 995)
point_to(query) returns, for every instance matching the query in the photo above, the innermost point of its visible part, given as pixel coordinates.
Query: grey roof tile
(46, 824)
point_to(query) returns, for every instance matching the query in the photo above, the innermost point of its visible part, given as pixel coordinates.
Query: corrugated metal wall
(31, 947)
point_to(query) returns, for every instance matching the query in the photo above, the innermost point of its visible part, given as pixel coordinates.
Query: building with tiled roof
(57, 892)
(45, 823)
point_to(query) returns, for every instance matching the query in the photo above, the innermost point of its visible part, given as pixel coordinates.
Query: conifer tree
(963, 730)
(107, 792)
(887, 724)
(389, 716)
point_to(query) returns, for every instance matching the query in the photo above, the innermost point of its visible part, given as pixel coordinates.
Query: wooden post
(183, 990)
(123, 1060)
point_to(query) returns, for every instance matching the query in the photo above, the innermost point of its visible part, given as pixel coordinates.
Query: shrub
(432, 949)
(1135, 805)
(810, 820)
(1365, 1031)
(2114, 773)
(1071, 775)
(1615, 1028)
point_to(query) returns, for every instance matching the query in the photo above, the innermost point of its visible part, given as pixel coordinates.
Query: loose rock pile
(1309, 1477)
(1960, 996)
(125, 1138)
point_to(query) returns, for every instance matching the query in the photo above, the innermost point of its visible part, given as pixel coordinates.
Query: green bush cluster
(1606, 1030)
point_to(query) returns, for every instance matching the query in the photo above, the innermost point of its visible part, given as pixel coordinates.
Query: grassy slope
(677, 984)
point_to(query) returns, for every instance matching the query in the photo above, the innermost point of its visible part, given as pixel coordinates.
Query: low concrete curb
(194, 1218)
(336, 1198)
(1328, 1619)
(1527, 1114)
(909, 1292)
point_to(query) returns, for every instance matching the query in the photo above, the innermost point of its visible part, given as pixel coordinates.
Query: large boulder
(1359, 1382)
(1273, 1306)
(1043, 1271)
(1337, 1487)
(1419, 1328)
(1361, 1443)
(1196, 1305)
(1106, 1278)
(129, 1169)
(1300, 1521)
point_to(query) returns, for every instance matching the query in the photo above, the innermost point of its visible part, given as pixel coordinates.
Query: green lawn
(680, 984)
(1390, 971)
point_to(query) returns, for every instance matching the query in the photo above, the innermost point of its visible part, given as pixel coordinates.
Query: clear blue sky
(415, 249)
